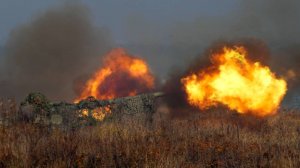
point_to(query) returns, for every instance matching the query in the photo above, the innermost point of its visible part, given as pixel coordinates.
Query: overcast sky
(168, 34)
(115, 14)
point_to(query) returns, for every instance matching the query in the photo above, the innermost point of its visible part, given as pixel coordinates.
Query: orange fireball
(236, 82)
(120, 75)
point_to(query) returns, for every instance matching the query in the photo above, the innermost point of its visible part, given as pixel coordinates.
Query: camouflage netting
(138, 105)
(38, 101)
(36, 108)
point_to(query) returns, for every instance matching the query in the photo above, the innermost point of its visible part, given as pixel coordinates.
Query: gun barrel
(122, 99)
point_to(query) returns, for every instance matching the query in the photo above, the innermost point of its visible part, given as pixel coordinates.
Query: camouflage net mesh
(86, 112)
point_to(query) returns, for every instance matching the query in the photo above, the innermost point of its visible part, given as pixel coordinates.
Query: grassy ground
(211, 139)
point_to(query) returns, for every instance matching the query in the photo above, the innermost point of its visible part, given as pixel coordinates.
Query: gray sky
(115, 14)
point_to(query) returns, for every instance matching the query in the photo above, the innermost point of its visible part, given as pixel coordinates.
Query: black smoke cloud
(56, 48)
(122, 84)
(257, 51)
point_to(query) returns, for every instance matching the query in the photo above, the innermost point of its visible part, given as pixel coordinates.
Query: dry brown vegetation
(211, 139)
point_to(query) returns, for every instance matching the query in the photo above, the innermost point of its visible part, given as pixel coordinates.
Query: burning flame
(98, 113)
(120, 75)
(236, 82)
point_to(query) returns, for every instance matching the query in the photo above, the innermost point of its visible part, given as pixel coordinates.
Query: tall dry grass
(212, 139)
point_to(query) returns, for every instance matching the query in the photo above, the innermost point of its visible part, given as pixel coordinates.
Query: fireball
(236, 82)
(120, 75)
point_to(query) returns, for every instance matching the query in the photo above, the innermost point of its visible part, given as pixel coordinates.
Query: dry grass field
(211, 139)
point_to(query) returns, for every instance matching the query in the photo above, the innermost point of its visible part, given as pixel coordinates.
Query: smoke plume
(50, 52)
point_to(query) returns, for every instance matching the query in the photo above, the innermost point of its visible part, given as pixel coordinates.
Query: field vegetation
(216, 138)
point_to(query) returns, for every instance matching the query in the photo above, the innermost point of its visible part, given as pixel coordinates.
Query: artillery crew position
(39, 110)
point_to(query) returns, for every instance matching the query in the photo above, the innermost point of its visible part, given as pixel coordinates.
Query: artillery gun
(39, 110)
